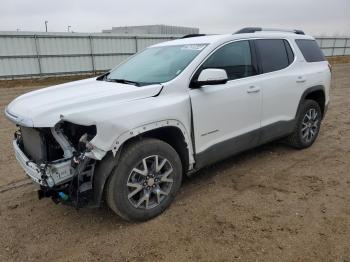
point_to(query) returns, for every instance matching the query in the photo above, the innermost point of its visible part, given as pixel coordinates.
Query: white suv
(129, 136)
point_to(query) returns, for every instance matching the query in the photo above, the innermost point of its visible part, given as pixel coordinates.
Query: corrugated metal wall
(334, 46)
(35, 55)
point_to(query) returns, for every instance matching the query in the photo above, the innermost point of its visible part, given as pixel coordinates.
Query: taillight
(330, 67)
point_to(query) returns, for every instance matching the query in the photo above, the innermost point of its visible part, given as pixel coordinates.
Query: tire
(307, 126)
(160, 182)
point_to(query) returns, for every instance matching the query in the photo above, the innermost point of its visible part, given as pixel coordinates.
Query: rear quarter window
(274, 54)
(310, 50)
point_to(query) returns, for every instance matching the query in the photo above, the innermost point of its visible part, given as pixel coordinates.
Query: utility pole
(68, 28)
(46, 25)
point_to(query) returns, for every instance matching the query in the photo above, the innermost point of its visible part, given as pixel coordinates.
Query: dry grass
(45, 81)
(339, 59)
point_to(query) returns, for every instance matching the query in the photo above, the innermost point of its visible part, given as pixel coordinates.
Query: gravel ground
(272, 203)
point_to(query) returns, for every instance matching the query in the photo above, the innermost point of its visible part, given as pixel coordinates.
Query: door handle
(253, 89)
(301, 79)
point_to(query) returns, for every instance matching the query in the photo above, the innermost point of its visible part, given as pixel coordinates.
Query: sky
(315, 17)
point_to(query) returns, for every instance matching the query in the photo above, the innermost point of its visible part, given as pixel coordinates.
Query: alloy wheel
(310, 125)
(150, 182)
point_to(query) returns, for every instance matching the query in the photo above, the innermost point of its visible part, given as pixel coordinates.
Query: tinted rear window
(274, 54)
(310, 50)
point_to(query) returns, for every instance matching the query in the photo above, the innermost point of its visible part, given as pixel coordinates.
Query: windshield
(155, 64)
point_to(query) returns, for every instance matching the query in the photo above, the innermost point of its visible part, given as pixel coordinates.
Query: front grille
(39, 145)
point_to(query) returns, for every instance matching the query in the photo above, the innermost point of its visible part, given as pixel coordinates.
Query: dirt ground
(339, 59)
(273, 203)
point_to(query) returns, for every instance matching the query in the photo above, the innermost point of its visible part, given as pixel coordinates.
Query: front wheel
(307, 126)
(145, 181)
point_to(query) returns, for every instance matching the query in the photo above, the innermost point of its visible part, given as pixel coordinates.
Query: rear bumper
(46, 175)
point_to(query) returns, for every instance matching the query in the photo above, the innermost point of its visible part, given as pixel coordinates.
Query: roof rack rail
(192, 35)
(258, 29)
(246, 30)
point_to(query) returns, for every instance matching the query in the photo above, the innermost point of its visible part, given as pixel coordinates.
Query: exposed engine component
(63, 169)
(39, 144)
(67, 148)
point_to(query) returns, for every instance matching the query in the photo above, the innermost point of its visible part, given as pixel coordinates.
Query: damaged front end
(58, 160)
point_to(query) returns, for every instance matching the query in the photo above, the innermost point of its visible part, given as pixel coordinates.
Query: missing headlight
(75, 133)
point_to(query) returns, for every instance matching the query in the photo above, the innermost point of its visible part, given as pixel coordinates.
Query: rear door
(281, 82)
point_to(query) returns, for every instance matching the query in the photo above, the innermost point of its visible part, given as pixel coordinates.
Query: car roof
(212, 39)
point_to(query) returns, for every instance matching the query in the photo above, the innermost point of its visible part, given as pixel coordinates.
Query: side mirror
(211, 76)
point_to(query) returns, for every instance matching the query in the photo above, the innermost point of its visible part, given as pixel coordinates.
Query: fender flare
(152, 126)
(306, 92)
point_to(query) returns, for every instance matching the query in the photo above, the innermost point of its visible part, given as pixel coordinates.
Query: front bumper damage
(48, 175)
(67, 180)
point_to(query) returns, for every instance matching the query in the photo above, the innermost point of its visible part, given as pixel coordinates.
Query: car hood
(45, 107)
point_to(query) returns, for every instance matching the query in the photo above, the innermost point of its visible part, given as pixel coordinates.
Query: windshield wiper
(123, 81)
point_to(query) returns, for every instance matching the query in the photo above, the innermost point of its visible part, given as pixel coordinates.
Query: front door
(226, 117)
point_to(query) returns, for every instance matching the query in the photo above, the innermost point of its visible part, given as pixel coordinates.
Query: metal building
(153, 29)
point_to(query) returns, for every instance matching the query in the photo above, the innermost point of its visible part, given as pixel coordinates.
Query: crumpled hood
(45, 107)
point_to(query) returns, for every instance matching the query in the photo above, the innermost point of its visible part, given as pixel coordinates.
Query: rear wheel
(307, 126)
(145, 181)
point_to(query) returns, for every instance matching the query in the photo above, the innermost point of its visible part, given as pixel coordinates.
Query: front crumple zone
(89, 132)
(78, 190)
(57, 159)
